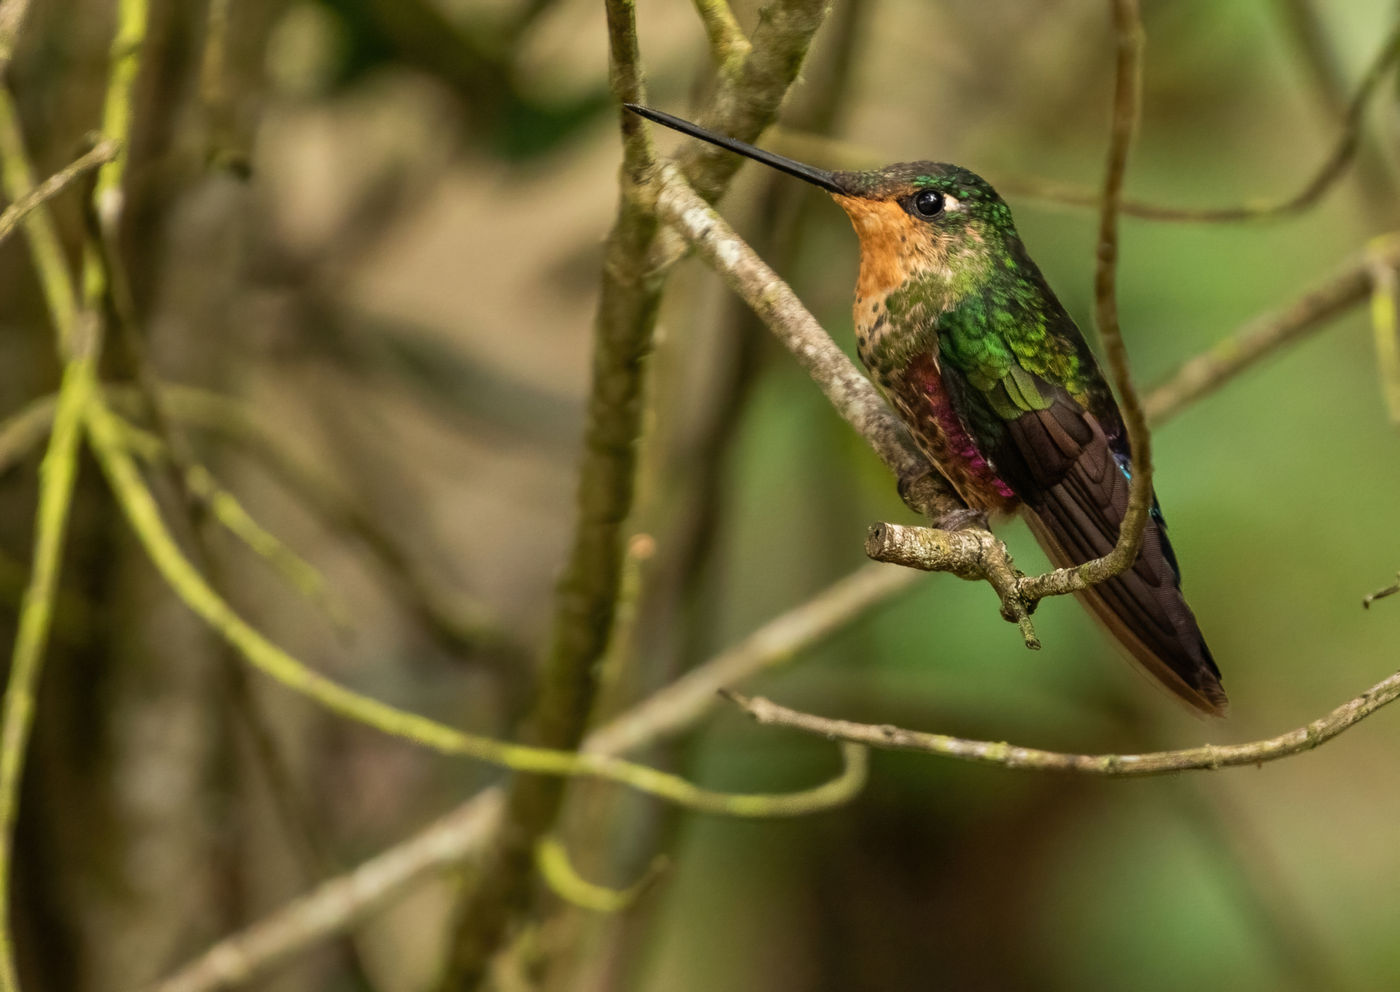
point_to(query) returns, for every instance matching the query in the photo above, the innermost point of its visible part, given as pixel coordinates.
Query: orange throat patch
(893, 245)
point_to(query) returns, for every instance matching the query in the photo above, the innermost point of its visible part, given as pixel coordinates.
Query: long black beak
(817, 177)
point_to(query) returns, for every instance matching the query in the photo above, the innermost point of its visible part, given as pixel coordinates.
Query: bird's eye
(928, 203)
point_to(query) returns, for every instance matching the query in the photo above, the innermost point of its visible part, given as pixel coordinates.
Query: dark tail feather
(1143, 608)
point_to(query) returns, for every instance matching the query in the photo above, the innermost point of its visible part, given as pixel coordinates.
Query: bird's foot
(964, 519)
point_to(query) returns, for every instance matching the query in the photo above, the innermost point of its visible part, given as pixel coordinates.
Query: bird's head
(915, 220)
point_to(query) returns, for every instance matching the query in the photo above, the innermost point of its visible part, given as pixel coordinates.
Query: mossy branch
(80, 345)
(634, 267)
(728, 44)
(57, 478)
(143, 516)
(559, 873)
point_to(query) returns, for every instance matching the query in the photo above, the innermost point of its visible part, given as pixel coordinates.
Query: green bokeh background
(406, 285)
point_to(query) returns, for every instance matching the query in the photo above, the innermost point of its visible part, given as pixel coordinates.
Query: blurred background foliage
(380, 227)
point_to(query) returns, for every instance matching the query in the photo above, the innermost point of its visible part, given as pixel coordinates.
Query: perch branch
(850, 392)
(1205, 757)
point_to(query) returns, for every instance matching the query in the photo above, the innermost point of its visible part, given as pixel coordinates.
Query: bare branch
(683, 703)
(1207, 756)
(337, 904)
(970, 553)
(1389, 590)
(1266, 335)
(103, 153)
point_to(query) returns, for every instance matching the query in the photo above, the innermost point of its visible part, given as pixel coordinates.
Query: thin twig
(1205, 757)
(104, 152)
(683, 703)
(339, 903)
(1265, 335)
(209, 494)
(21, 432)
(1127, 95)
(1389, 590)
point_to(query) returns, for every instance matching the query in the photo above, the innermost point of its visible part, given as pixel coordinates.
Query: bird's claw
(963, 519)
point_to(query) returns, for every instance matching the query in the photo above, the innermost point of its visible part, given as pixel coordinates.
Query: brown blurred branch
(746, 100)
(456, 621)
(1389, 590)
(1205, 757)
(1265, 335)
(340, 902)
(101, 154)
(11, 18)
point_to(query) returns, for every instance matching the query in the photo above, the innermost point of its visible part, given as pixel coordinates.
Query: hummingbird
(962, 334)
